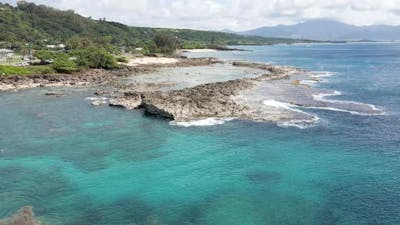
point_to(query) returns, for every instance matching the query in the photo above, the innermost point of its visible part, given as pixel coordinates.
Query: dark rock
(54, 93)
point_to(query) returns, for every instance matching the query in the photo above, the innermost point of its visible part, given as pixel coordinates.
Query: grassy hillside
(40, 25)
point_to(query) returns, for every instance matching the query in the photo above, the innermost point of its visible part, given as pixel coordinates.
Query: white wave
(283, 105)
(320, 74)
(308, 82)
(301, 124)
(322, 97)
(204, 122)
(96, 98)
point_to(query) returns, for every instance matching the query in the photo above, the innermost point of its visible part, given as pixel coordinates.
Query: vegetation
(46, 56)
(44, 31)
(95, 58)
(62, 64)
(166, 43)
(29, 70)
(40, 25)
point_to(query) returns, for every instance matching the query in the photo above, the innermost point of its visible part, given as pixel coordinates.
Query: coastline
(203, 101)
(94, 77)
(208, 101)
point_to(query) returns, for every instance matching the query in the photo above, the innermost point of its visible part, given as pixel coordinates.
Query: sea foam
(322, 97)
(299, 123)
(320, 74)
(96, 98)
(201, 123)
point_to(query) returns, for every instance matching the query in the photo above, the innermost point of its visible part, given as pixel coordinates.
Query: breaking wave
(201, 123)
(310, 121)
(369, 109)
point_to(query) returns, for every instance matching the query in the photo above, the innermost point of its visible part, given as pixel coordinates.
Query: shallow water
(78, 164)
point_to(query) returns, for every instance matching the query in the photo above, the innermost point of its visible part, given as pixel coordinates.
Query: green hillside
(40, 25)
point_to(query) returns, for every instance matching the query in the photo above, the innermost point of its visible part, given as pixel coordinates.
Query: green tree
(151, 47)
(47, 55)
(166, 43)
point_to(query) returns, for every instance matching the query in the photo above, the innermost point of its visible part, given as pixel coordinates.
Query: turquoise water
(78, 164)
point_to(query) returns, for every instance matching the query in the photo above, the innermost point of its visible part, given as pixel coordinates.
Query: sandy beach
(199, 50)
(152, 60)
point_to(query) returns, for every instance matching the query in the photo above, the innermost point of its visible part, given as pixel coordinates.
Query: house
(5, 54)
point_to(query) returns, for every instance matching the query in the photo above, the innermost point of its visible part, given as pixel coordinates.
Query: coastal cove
(76, 163)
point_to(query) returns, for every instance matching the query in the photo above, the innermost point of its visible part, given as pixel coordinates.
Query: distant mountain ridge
(329, 30)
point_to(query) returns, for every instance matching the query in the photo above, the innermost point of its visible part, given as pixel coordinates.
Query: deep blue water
(78, 164)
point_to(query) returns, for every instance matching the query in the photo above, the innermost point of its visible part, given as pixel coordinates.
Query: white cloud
(234, 14)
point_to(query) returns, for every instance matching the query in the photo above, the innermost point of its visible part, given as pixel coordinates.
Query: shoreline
(207, 102)
(94, 77)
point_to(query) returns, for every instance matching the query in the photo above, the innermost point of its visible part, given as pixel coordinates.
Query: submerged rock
(24, 216)
(55, 93)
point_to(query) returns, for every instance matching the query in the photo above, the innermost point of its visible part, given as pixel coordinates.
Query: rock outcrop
(24, 216)
(203, 101)
(130, 100)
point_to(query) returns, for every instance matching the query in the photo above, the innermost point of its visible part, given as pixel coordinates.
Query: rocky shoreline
(215, 100)
(207, 100)
(91, 77)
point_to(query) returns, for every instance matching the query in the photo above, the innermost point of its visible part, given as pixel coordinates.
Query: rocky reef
(205, 100)
(24, 216)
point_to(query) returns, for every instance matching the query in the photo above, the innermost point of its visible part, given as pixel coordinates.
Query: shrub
(46, 56)
(41, 69)
(64, 65)
(151, 48)
(28, 70)
(94, 58)
(13, 70)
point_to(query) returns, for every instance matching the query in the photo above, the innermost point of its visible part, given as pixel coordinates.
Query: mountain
(35, 24)
(329, 30)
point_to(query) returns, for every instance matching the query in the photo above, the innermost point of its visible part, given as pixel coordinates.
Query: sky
(235, 15)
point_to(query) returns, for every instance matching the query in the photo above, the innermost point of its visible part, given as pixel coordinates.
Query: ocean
(79, 164)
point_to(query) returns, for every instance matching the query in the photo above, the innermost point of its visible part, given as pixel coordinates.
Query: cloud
(234, 14)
